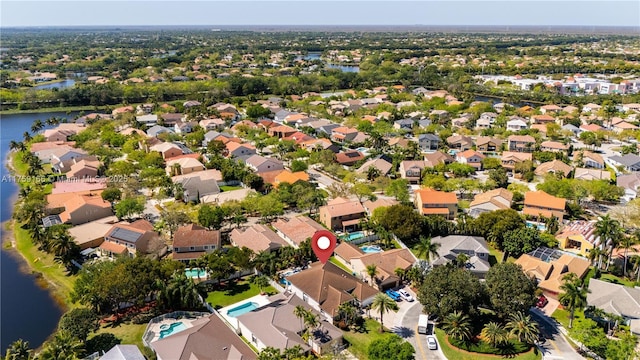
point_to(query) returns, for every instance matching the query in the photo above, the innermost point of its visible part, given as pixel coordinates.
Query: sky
(23, 13)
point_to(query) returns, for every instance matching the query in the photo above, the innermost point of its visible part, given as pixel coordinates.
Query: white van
(423, 324)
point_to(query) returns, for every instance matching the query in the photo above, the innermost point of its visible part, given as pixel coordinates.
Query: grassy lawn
(340, 265)
(359, 341)
(453, 353)
(608, 277)
(229, 188)
(54, 273)
(562, 316)
(127, 333)
(237, 292)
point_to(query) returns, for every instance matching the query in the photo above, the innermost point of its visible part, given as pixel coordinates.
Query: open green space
(453, 353)
(234, 292)
(608, 277)
(359, 341)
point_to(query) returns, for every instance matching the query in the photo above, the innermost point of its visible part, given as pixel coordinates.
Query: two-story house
(460, 142)
(539, 203)
(521, 143)
(412, 170)
(191, 241)
(128, 239)
(471, 158)
(428, 142)
(509, 159)
(343, 134)
(433, 202)
(517, 124)
(487, 144)
(342, 214)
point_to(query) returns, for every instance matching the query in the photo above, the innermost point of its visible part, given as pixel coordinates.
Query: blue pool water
(371, 249)
(355, 235)
(539, 226)
(242, 309)
(284, 281)
(173, 328)
(194, 273)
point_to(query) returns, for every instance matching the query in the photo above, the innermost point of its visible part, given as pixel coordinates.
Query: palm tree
(457, 325)
(17, 145)
(347, 312)
(372, 271)
(37, 126)
(595, 255)
(635, 261)
(609, 231)
(63, 347)
(383, 303)
(26, 136)
(300, 312)
(523, 328)
(63, 246)
(627, 243)
(19, 350)
(574, 294)
(293, 353)
(461, 260)
(400, 272)
(427, 248)
(311, 321)
(494, 334)
(35, 166)
(261, 281)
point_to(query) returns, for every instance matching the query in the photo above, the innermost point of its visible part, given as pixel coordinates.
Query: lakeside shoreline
(25, 265)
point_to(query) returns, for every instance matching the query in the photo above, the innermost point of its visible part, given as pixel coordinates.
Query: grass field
(237, 292)
(453, 353)
(359, 341)
(229, 188)
(335, 261)
(55, 274)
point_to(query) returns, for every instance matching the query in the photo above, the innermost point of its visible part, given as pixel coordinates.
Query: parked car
(432, 344)
(405, 295)
(542, 301)
(392, 294)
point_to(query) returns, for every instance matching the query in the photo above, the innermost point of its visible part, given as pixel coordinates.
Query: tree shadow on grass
(235, 288)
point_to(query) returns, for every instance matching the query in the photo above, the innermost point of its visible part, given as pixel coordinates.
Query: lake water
(60, 85)
(27, 311)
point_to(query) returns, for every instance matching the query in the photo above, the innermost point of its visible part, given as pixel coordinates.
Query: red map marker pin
(323, 243)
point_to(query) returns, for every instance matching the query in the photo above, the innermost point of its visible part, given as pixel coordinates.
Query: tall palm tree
(400, 272)
(427, 248)
(595, 256)
(37, 126)
(372, 271)
(63, 347)
(19, 350)
(35, 166)
(63, 246)
(626, 243)
(261, 281)
(26, 136)
(635, 261)
(300, 312)
(311, 321)
(609, 231)
(348, 312)
(383, 303)
(494, 334)
(523, 328)
(457, 325)
(17, 145)
(574, 294)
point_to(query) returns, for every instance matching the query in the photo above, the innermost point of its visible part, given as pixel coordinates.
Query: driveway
(554, 346)
(323, 180)
(406, 326)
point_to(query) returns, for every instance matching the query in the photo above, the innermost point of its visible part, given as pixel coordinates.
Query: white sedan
(432, 344)
(405, 295)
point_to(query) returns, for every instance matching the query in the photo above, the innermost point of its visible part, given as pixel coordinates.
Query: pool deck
(156, 327)
(261, 300)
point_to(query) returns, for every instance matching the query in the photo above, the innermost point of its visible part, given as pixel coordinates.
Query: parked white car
(405, 295)
(432, 344)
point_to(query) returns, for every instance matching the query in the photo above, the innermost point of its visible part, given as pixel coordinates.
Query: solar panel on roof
(126, 235)
(546, 254)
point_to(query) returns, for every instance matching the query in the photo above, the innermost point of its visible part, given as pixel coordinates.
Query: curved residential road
(555, 345)
(406, 326)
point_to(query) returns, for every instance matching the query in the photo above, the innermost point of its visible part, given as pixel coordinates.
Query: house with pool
(386, 263)
(326, 287)
(342, 214)
(275, 325)
(192, 241)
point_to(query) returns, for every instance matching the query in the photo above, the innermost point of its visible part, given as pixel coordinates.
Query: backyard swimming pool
(371, 249)
(195, 272)
(539, 226)
(242, 309)
(354, 235)
(170, 329)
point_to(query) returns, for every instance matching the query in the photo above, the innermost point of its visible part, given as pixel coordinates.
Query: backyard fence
(364, 239)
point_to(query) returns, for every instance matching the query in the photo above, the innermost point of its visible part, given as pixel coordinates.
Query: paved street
(323, 180)
(555, 346)
(406, 326)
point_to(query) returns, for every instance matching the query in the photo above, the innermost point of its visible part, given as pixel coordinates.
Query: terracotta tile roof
(490, 196)
(257, 238)
(591, 127)
(593, 156)
(542, 199)
(515, 156)
(387, 261)
(194, 235)
(344, 208)
(543, 118)
(553, 166)
(349, 157)
(554, 145)
(298, 228)
(469, 153)
(269, 177)
(291, 178)
(522, 138)
(58, 200)
(78, 201)
(348, 251)
(430, 196)
(113, 247)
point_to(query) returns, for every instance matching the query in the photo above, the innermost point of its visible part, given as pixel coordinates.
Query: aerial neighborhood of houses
(533, 167)
(433, 198)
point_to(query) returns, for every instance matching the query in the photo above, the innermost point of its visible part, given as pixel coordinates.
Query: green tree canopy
(509, 289)
(390, 347)
(447, 289)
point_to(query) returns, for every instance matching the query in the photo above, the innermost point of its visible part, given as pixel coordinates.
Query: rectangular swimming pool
(242, 309)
